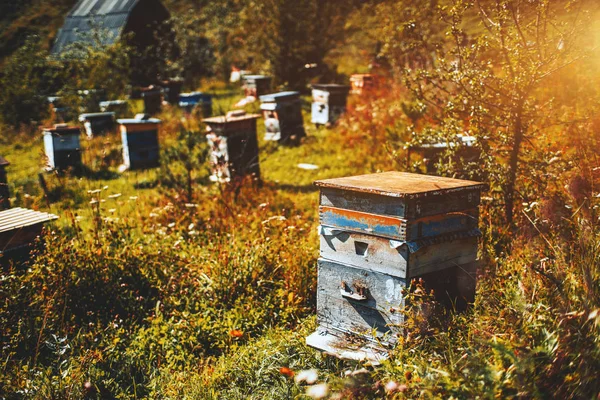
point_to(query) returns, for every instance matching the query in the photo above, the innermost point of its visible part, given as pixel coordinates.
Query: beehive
(283, 116)
(329, 102)
(139, 137)
(152, 97)
(233, 147)
(188, 101)
(432, 152)
(256, 85)
(362, 83)
(377, 233)
(98, 123)
(172, 90)
(119, 107)
(19, 227)
(4, 191)
(62, 147)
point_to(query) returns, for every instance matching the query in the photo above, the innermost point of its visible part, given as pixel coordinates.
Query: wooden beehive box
(153, 98)
(283, 116)
(378, 232)
(97, 123)
(172, 88)
(188, 101)
(19, 227)
(361, 83)
(329, 102)
(139, 137)
(432, 152)
(119, 107)
(233, 147)
(62, 147)
(4, 191)
(256, 85)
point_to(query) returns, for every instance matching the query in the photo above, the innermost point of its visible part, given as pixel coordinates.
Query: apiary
(119, 107)
(4, 192)
(62, 147)
(329, 102)
(152, 97)
(432, 152)
(283, 116)
(233, 146)
(379, 232)
(361, 83)
(19, 227)
(97, 123)
(139, 137)
(189, 101)
(256, 85)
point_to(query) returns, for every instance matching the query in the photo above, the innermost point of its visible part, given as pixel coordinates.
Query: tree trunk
(509, 192)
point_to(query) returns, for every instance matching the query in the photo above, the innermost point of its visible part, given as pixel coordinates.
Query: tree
(501, 75)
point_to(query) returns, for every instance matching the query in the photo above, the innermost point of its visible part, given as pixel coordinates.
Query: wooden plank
(398, 228)
(400, 207)
(380, 255)
(334, 343)
(376, 314)
(401, 184)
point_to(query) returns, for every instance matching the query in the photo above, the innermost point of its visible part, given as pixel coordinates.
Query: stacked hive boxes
(378, 232)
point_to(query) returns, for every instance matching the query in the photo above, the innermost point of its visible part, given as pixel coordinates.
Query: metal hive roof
(109, 17)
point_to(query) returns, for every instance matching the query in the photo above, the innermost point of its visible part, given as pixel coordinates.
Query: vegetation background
(147, 289)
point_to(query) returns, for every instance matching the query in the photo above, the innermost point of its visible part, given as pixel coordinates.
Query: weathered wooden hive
(97, 123)
(361, 83)
(378, 232)
(432, 152)
(283, 116)
(233, 147)
(58, 108)
(329, 102)
(119, 107)
(153, 98)
(140, 142)
(4, 191)
(189, 101)
(62, 147)
(256, 85)
(19, 227)
(172, 90)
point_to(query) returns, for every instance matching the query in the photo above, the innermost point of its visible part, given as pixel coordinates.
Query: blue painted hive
(189, 101)
(283, 116)
(140, 142)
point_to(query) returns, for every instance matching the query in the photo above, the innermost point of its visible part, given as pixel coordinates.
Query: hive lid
(83, 117)
(62, 129)
(16, 218)
(274, 97)
(226, 119)
(112, 102)
(3, 162)
(401, 184)
(139, 119)
(330, 86)
(250, 77)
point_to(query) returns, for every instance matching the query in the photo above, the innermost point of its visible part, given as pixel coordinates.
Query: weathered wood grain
(383, 255)
(398, 228)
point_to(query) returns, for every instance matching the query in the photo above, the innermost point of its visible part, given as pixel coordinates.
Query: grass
(149, 295)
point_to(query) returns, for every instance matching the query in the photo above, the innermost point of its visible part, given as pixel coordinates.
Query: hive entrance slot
(361, 248)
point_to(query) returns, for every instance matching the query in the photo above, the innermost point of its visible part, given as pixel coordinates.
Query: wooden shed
(378, 232)
(62, 147)
(145, 23)
(139, 137)
(4, 191)
(19, 227)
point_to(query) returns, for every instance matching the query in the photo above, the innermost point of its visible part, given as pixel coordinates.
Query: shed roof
(109, 16)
